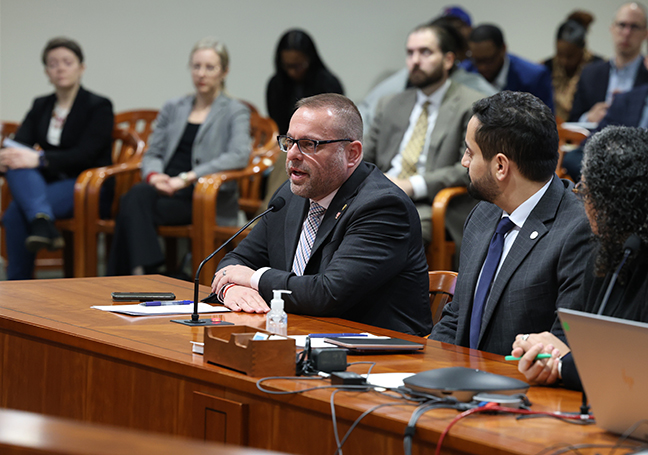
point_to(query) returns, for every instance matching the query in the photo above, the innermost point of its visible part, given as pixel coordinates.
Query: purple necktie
(487, 276)
(308, 234)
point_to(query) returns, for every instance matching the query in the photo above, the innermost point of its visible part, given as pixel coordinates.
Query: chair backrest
(264, 133)
(568, 139)
(264, 147)
(442, 287)
(8, 129)
(141, 122)
(126, 147)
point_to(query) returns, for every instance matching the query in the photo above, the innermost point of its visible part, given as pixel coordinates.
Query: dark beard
(484, 189)
(419, 79)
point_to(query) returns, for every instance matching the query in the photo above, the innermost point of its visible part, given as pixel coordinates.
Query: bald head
(629, 32)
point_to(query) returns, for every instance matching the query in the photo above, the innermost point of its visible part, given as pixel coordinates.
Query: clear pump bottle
(277, 319)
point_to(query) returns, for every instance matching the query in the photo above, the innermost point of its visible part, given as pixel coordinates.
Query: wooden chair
(126, 156)
(442, 287)
(441, 249)
(568, 139)
(140, 121)
(264, 154)
(73, 256)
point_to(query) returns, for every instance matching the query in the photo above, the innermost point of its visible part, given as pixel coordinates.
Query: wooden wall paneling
(148, 400)
(42, 377)
(217, 419)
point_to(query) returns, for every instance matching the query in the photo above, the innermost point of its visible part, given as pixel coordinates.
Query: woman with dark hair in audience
(62, 135)
(194, 135)
(571, 56)
(299, 73)
(614, 190)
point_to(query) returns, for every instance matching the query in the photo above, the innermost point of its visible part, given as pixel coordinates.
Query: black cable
(416, 415)
(626, 434)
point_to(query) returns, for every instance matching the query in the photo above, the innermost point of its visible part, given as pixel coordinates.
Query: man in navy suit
(601, 81)
(627, 109)
(511, 155)
(506, 71)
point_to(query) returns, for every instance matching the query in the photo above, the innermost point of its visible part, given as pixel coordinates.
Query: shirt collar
(633, 66)
(435, 98)
(502, 77)
(522, 212)
(326, 200)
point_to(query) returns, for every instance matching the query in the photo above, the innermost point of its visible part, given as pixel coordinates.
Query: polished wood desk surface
(26, 433)
(58, 313)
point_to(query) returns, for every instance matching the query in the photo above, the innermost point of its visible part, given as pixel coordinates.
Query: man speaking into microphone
(347, 243)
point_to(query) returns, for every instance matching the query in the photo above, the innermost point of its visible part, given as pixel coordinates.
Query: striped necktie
(308, 234)
(414, 148)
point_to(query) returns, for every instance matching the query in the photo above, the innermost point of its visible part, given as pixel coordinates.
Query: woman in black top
(614, 190)
(62, 135)
(299, 73)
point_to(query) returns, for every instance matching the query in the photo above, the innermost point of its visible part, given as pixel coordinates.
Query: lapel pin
(337, 215)
(533, 235)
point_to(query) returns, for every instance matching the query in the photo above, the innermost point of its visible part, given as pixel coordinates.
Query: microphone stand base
(200, 322)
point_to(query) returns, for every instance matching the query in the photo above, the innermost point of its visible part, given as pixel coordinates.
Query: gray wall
(137, 50)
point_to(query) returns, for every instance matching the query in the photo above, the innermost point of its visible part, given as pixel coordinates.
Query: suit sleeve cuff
(419, 187)
(256, 277)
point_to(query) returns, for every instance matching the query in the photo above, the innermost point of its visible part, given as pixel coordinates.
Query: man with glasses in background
(347, 243)
(600, 81)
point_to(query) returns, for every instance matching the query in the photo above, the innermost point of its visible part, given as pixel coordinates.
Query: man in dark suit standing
(417, 135)
(348, 241)
(526, 244)
(600, 81)
(506, 71)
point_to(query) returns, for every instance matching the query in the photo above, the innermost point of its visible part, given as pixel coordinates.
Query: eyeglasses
(306, 146)
(631, 26)
(580, 190)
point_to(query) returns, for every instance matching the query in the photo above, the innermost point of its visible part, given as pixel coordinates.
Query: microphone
(275, 205)
(631, 246)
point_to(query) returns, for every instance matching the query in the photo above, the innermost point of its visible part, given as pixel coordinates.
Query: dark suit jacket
(85, 140)
(626, 109)
(593, 84)
(542, 271)
(525, 76)
(443, 167)
(628, 300)
(367, 263)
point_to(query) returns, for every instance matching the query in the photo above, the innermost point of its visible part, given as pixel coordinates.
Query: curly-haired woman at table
(614, 190)
(63, 134)
(195, 135)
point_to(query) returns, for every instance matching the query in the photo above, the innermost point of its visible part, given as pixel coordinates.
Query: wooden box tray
(232, 346)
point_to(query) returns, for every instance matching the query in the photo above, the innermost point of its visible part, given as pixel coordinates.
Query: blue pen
(167, 302)
(336, 335)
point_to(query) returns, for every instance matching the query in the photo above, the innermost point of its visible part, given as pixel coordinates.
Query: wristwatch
(184, 176)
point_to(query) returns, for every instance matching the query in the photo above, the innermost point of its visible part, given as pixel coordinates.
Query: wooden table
(62, 358)
(27, 433)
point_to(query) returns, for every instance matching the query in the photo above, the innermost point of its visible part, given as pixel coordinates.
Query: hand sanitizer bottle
(277, 319)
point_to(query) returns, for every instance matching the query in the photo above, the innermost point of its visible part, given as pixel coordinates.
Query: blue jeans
(31, 195)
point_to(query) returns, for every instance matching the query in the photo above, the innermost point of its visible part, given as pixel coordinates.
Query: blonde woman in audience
(195, 135)
(62, 135)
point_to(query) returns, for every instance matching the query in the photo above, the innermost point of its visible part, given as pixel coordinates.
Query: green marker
(538, 357)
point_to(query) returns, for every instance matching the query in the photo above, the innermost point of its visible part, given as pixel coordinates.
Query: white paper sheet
(141, 310)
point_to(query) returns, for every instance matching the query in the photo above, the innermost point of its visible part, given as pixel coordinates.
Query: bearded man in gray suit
(417, 136)
(526, 245)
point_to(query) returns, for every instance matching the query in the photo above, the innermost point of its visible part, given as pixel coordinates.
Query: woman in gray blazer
(194, 135)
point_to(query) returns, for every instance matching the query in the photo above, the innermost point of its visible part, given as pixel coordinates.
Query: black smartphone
(142, 296)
